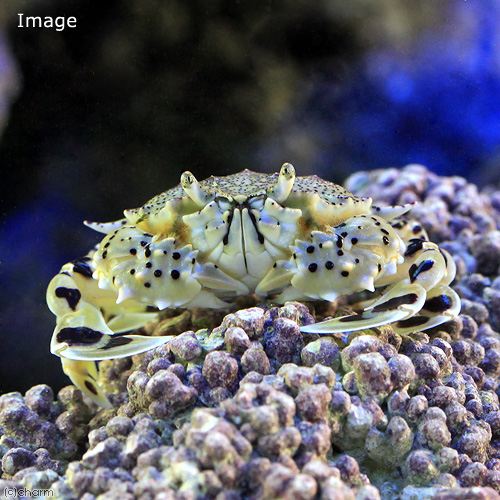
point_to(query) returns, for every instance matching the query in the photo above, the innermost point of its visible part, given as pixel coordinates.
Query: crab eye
(187, 179)
(287, 170)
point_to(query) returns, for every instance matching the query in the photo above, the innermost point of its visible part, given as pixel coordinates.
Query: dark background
(104, 116)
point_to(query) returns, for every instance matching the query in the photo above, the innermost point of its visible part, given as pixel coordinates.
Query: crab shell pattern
(280, 236)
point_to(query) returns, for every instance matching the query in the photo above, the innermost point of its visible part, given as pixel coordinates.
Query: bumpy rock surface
(253, 408)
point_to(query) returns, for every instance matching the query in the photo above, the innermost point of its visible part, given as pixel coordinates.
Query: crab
(277, 236)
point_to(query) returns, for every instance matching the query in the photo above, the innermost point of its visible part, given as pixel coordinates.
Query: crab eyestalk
(193, 189)
(280, 191)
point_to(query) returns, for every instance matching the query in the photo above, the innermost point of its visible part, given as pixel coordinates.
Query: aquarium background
(104, 116)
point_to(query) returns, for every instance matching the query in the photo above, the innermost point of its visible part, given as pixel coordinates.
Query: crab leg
(401, 302)
(442, 305)
(341, 262)
(420, 290)
(84, 375)
(82, 335)
(101, 297)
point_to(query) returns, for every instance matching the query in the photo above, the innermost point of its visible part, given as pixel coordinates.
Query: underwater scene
(250, 250)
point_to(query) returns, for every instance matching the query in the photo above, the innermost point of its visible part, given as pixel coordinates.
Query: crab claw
(84, 336)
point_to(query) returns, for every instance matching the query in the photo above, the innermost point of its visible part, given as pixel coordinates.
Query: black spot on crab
(350, 319)
(412, 322)
(80, 335)
(81, 266)
(72, 296)
(438, 304)
(421, 268)
(116, 342)
(91, 387)
(395, 302)
(414, 246)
